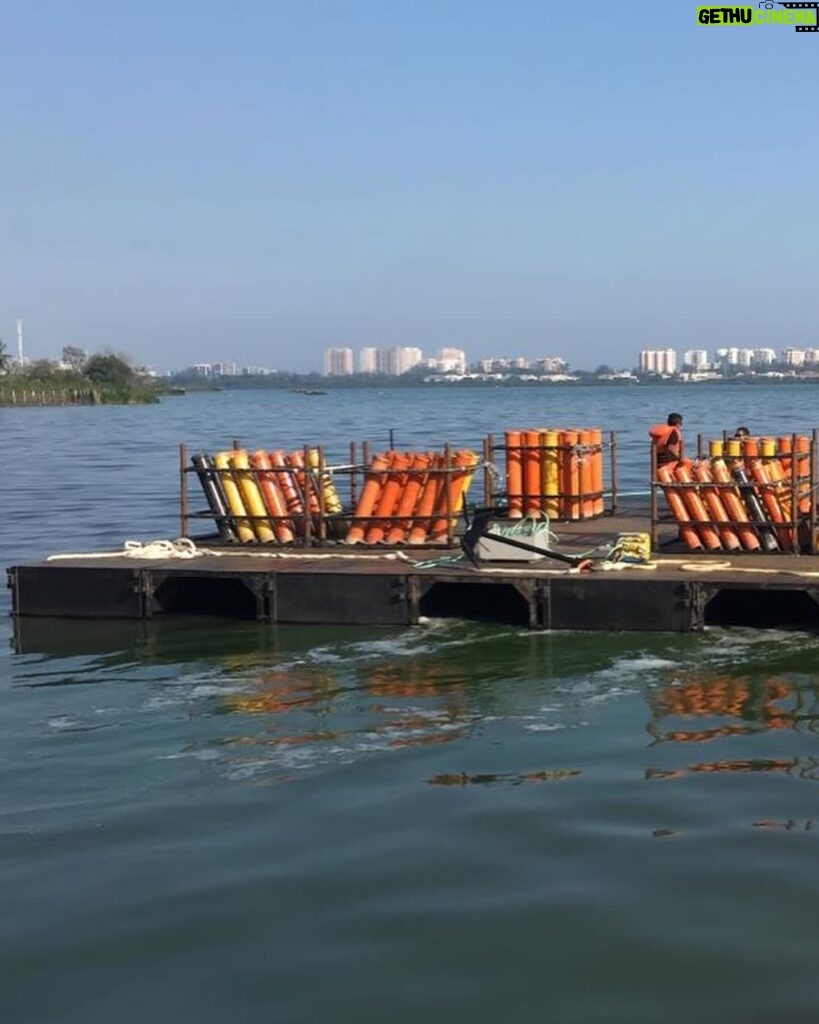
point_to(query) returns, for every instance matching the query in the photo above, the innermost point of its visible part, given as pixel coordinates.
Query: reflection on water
(277, 703)
(505, 778)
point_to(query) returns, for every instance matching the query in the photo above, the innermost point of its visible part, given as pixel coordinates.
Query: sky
(255, 182)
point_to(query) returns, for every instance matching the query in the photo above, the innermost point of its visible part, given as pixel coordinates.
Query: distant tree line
(102, 377)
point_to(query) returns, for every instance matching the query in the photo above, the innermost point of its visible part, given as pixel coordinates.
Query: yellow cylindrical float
(324, 479)
(244, 531)
(252, 496)
(549, 441)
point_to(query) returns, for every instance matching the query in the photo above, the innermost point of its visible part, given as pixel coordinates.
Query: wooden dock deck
(360, 586)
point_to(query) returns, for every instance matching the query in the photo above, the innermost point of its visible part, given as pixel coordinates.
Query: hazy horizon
(257, 183)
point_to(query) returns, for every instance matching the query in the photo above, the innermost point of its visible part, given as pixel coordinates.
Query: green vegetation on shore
(102, 379)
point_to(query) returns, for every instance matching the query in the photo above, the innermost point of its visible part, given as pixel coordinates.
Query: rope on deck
(184, 548)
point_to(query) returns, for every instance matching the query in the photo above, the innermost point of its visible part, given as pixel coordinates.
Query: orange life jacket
(668, 441)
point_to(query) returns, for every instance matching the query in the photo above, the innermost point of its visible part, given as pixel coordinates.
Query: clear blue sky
(257, 181)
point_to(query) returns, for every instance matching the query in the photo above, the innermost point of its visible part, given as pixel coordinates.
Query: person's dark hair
(674, 419)
(742, 432)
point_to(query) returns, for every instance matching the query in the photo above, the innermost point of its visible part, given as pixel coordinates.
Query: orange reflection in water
(739, 697)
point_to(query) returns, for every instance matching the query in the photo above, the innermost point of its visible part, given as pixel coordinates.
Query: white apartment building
(397, 360)
(696, 358)
(793, 357)
(552, 364)
(764, 356)
(812, 355)
(338, 362)
(450, 360)
(367, 360)
(658, 360)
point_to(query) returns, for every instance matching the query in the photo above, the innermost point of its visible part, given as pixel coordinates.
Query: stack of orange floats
(554, 473)
(411, 497)
(269, 494)
(741, 496)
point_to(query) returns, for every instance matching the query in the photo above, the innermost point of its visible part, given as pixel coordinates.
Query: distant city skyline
(255, 185)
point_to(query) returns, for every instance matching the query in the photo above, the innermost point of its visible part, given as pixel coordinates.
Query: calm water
(454, 822)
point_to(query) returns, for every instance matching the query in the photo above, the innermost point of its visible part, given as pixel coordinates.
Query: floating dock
(355, 586)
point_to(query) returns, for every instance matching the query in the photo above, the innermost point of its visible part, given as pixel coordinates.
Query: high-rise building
(812, 356)
(658, 360)
(450, 360)
(552, 364)
(366, 360)
(696, 358)
(338, 362)
(764, 356)
(793, 357)
(397, 359)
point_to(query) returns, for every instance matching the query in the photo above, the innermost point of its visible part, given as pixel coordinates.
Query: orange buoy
(716, 509)
(273, 497)
(532, 484)
(586, 460)
(803, 472)
(734, 505)
(695, 506)
(761, 476)
(369, 498)
(417, 476)
(296, 462)
(599, 500)
(390, 495)
(773, 467)
(459, 482)
(570, 474)
(287, 483)
(665, 475)
(514, 473)
(422, 520)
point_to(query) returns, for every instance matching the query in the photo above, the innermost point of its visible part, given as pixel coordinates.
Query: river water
(226, 821)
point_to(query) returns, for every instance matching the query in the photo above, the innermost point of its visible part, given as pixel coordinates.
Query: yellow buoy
(252, 496)
(549, 440)
(244, 531)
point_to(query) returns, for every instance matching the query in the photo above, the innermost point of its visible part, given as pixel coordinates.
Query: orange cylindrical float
(273, 496)
(763, 475)
(586, 460)
(514, 473)
(422, 518)
(394, 483)
(532, 483)
(803, 472)
(570, 474)
(287, 484)
(599, 501)
(694, 503)
(734, 505)
(717, 511)
(782, 482)
(457, 485)
(369, 498)
(417, 477)
(665, 475)
(296, 462)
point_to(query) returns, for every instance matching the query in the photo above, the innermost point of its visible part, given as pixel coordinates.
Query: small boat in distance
(308, 391)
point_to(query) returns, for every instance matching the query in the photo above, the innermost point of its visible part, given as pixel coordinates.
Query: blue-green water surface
(210, 820)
